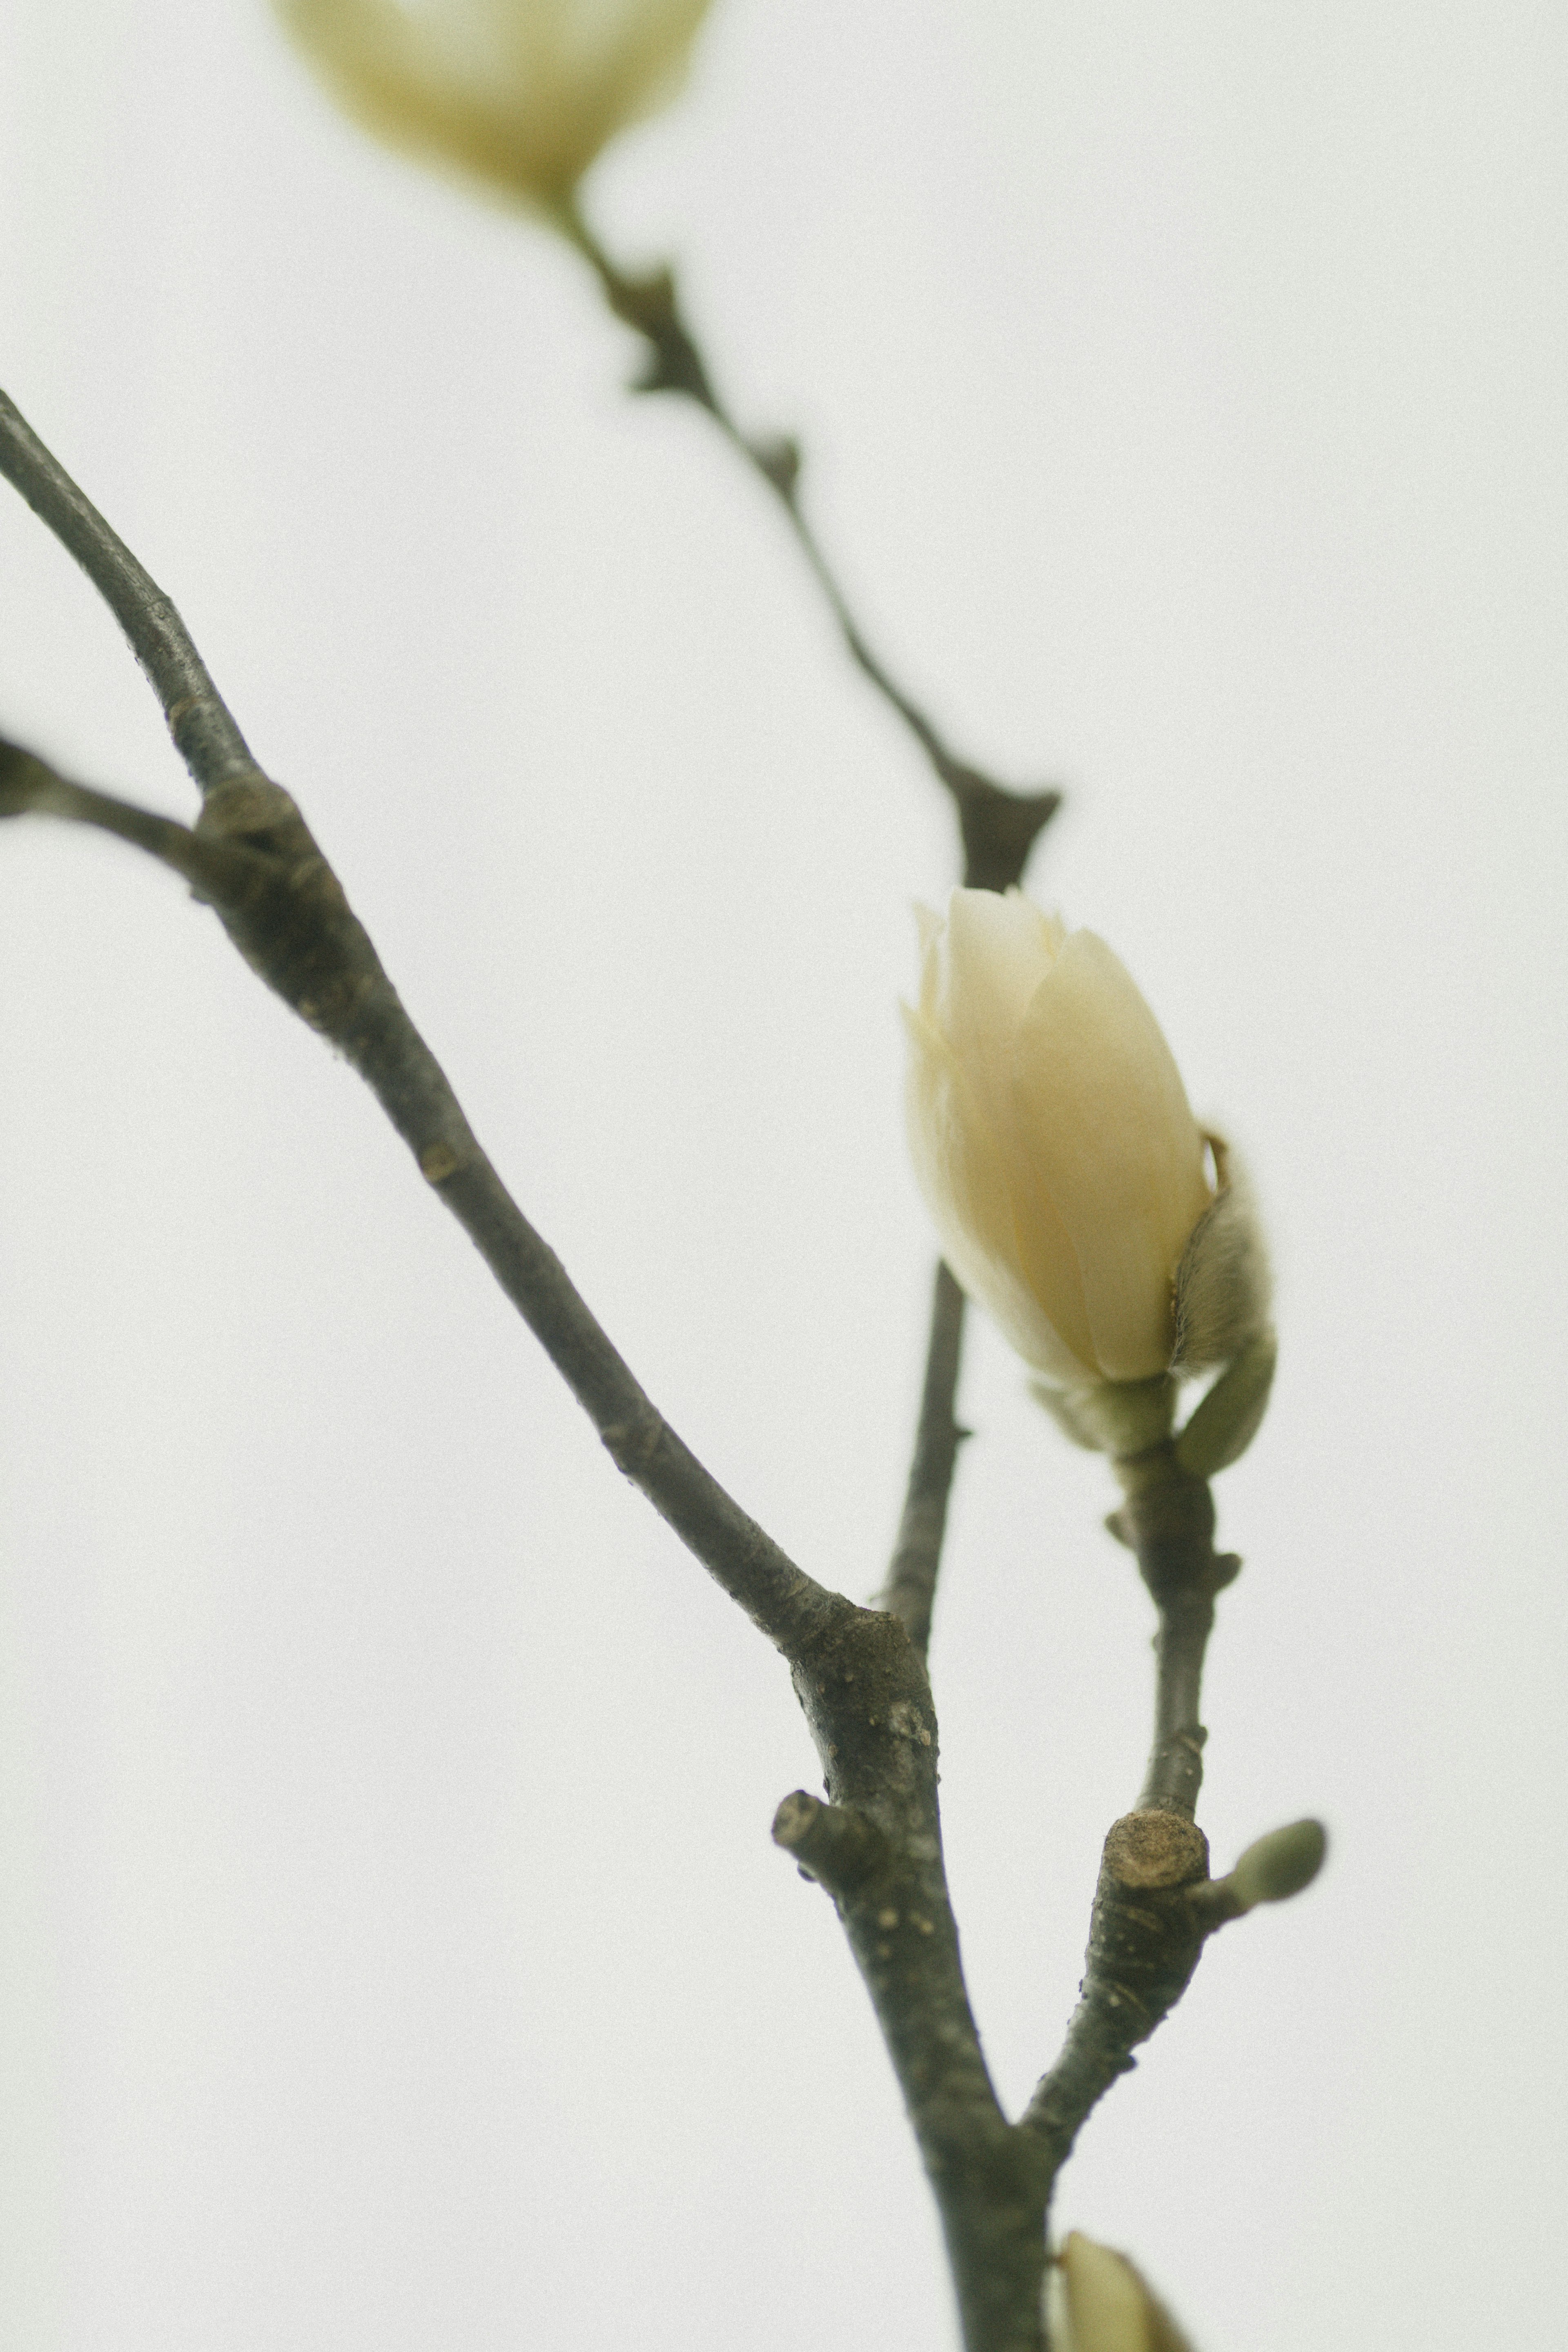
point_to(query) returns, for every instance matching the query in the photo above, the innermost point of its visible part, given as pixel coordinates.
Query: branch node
(632, 1444)
(835, 1844)
(1144, 1938)
(777, 456)
(998, 828)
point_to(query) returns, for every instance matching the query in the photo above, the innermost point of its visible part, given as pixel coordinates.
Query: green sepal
(1230, 1417)
(1115, 1417)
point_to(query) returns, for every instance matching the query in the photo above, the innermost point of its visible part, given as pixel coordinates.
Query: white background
(394, 1956)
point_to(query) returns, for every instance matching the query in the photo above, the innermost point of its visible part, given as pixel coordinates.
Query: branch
(1168, 1522)
(910, 1589)
(861, 1682)
(1153, 1905)
(207, 738)
(252, 858)
(876, 1847)
(999, 827)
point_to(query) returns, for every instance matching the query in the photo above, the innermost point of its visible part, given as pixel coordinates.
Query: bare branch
(999, 827)
(28, 786)
(208, 740)
(1152, 1905)
(876, 1848)
(861, 1682)
(252, 857)
(910, 1589)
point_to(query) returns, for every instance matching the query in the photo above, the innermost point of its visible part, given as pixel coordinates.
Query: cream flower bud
(1097, 2301)
(1052, 1140)
(522, 93)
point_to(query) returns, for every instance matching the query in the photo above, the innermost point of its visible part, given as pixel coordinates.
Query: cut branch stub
(831, 1843)
(1143, 1945)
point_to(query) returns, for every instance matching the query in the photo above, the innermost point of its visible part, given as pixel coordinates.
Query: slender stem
(999, 827)
(28, 786)
(1168, 1520)
(209, 742)
(1147, 1929)
(910, 1589)
(1176, 1757)
(252, 857)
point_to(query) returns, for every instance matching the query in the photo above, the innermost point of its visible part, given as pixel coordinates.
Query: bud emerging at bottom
(1096, 2301)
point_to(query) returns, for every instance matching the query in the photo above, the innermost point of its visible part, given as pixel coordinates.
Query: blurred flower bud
(1097, 2301)
(522, 93)
(1052, 1141)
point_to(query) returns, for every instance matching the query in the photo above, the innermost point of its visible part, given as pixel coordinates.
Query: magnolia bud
(1097, 2301)
(1064, 1171)
(522, 93)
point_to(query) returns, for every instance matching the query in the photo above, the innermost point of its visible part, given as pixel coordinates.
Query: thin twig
(208, 740)
(251, 856)
(1148, 1925)
(1168, 1521)
(910, 1589)
(999, 827)
(861, 1683)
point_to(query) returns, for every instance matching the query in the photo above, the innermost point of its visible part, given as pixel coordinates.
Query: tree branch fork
(875, 1844)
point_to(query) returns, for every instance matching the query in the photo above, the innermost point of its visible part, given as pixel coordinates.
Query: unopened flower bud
(1063, 1169)
(522, 93)
(1100, 2301)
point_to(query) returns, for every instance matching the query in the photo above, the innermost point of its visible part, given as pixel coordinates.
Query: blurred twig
(910, 1587)
(999, 827)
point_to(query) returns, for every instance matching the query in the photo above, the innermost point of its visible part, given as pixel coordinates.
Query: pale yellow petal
(1106, 2310)
(1103, 1119)
(1047, 1259)
(992, 956)
(961, 1171)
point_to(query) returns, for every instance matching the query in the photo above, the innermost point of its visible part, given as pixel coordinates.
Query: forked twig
(861, 1683)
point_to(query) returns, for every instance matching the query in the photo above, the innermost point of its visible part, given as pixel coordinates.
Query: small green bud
(1280, 1864)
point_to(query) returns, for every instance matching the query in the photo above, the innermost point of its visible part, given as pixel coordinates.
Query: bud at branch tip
(1070, 1185)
